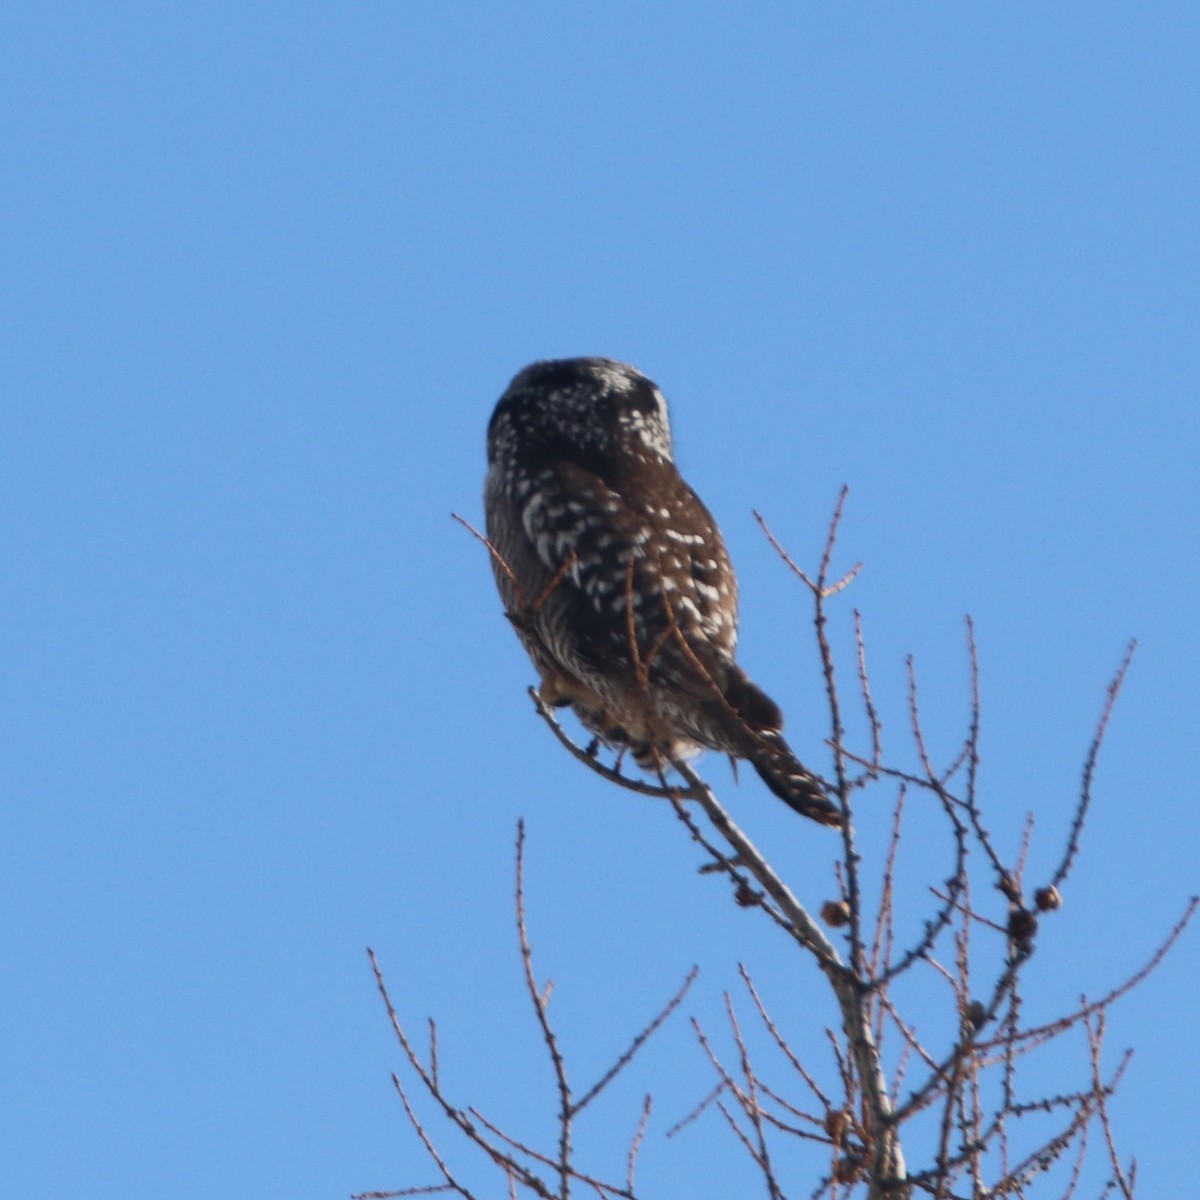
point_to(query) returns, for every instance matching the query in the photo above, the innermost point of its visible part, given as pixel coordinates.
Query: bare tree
(945, 1114)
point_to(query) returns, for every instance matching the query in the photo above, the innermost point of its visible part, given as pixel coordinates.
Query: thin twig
(497, 559)
(864, 683)
(1089, 768)
(547, 1160)
(696, 1112)
(752, 1107)
(457, 1116)
(432, 1189)
(540, 1005)
(639, 1040)
(635, 1144)
(427, 1142)
(1095, 1035)
(781, 1042)
(1062, 1023)
(881, 946)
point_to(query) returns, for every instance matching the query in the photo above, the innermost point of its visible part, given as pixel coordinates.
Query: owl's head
(581, 408)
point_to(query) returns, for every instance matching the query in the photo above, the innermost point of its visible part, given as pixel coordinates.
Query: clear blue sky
(266, 269)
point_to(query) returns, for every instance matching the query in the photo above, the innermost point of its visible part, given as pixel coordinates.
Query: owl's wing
(620, 574)
(583, 536)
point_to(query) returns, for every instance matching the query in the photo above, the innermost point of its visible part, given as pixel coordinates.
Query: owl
(616, 577)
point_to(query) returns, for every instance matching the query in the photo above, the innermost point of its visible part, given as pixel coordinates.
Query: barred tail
(787, 777)
(751, 721)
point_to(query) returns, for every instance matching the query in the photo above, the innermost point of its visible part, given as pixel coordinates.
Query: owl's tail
(759, 740)
(788, 778)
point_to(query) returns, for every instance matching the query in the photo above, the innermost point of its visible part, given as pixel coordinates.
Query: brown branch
(967, 911)
(1089, 769)
(817, 1123)
(1095, 1036)
(455, 1115)
(741, 1136)
(747, 855)
(937, 782)
(888, 1161)
(641, 673)
(817, 586)
(427, 1142)
(540, 1004)
(559, 575)
(933, 927)
(431, 1189)
(971, 800)
(1077, 1169)
(907, 1032)
(433, 1052)
(751, 1105)
(1052, 1028)
(635, 1144)
(613, 776)
(696, 1112)
(744, 892)
(639, 1040)
(873, 721)
(497, 558)
(923, 1095)
(728, 1084)
(599, 1185)
(781, 1042)
(881, 946)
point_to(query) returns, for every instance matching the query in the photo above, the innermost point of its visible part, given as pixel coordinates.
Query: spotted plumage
(616, 577)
